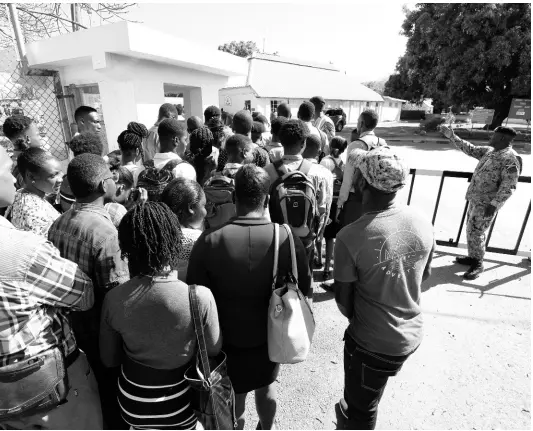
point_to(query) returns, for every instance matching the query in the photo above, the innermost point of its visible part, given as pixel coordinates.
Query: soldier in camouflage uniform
(493, 182)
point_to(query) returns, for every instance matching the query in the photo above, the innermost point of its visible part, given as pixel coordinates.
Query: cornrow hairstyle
(150, 238)
(32, 160)
(179, 195)
(86, 143)
(15, 125)
(216, 126)
(131, 139)
(338, 145)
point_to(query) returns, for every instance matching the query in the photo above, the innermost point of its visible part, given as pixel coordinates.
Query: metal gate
(456, 242)
(36, 94)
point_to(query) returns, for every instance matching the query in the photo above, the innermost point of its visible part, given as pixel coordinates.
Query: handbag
(212, 396)
(33, 384)
(291, 323)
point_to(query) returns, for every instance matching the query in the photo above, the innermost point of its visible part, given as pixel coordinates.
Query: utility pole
(75, 15)
(14, 17)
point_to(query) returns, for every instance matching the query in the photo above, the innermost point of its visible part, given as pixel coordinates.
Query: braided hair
(216, 126)
(179, 195)
(201, 147)
(131, 139)
(150, 237)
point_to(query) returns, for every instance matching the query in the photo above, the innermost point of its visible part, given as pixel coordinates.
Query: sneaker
(475, 270)
(340, 413)
(465, 260)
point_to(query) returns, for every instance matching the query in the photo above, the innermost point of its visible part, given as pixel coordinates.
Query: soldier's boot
(465, 260)
(475, 270)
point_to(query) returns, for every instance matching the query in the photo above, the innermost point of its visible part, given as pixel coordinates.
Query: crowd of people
(95, 264)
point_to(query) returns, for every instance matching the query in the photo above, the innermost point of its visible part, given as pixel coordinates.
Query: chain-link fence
(34, 94)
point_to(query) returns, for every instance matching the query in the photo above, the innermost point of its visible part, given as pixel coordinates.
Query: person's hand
(490, 210)
(447, 131)
(137, 196)
(339, 209)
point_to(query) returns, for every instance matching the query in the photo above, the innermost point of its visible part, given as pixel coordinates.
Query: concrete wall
(391, 113)
(237, 98)
(133, 89)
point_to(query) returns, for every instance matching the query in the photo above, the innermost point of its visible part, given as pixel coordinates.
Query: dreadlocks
(150, 237)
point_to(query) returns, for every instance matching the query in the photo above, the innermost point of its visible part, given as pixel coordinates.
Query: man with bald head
(493, 182)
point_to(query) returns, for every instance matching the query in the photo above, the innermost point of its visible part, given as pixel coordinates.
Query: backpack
(293, 201)
(155, 180)
(371, 145)
(338, 172)
(220, 197)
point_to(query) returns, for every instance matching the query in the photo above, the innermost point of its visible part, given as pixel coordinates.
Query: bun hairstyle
(131, 139)
(337, 146)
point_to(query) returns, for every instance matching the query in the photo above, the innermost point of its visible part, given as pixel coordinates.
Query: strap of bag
(293, 252)
(276, 256)
(199, 329)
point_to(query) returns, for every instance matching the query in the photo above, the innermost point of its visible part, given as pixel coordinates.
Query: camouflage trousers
(477, 226)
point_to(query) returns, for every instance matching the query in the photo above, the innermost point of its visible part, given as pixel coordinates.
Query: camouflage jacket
(495, 177)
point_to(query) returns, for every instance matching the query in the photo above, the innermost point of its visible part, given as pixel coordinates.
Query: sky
(362, 39)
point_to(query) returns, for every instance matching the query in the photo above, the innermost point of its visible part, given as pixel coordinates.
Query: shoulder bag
(291, 324)
(212, 396)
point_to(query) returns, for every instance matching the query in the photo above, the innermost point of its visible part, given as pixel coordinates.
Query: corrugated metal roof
(294, 61)
(291, 81)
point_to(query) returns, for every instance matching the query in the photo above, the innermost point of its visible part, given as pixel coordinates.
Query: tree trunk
(501, 111)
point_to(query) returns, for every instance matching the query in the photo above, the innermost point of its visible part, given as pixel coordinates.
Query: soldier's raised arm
(465, 146)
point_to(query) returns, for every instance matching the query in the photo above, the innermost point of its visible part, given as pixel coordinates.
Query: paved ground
(473, 368)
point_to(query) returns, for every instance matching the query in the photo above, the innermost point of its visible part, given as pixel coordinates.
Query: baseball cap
(317, 100)
(382, 168)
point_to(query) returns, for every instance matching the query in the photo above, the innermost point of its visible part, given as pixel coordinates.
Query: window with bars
(274, 105)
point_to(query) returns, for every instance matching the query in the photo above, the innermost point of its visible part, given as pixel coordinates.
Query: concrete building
(392, 109)
(125, 70)
(272, 80)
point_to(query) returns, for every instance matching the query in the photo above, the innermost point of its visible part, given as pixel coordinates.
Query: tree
(377, 86)
(242, 48)
(42, 20)
(466, 54)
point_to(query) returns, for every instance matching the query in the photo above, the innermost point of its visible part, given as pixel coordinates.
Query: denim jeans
(365, 377)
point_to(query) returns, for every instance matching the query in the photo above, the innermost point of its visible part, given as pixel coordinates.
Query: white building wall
(391, 113)
(237, 98)
(133, 89)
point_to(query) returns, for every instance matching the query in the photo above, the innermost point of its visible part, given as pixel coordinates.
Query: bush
(432, 124)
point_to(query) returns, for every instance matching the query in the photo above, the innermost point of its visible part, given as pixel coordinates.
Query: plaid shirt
(37, 286)
(86, 235)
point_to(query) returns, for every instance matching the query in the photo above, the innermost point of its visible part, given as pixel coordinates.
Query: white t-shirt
(184, 170)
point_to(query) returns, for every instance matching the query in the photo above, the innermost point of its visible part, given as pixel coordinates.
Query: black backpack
(155, 180)
(293, 201)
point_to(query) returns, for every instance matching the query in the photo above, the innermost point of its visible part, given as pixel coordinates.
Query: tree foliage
(242, 48)
(474, 54)
(377, 86)
(43, 20)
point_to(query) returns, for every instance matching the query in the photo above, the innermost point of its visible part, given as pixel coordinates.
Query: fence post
(14, 17)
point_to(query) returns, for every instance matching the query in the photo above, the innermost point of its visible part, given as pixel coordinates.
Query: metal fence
(33, 93)
(415, 173)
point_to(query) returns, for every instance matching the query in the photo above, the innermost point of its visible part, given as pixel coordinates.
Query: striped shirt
(37, 286)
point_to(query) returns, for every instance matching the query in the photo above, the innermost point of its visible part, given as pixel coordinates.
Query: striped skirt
(155, 399)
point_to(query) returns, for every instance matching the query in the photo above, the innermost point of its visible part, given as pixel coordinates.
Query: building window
(274, 105)
(247, 105)
(368, 104)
